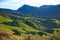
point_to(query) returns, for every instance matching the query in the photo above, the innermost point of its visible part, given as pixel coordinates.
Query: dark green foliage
(41, 33)
(30, 24)
(16, 32)
(51, 31)
(32, 32)
(14, 23)
(49, 23)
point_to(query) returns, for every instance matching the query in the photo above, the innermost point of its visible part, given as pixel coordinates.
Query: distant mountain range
(45, 11)
(29, 20)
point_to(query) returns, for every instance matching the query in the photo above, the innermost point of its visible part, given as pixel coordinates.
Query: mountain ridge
(45, 11)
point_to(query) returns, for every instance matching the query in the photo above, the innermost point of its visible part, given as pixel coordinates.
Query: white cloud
(42, 2)
(12, 4)
(15, 4)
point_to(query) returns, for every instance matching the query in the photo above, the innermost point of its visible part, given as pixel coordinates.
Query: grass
(27, 26)
(8, 36)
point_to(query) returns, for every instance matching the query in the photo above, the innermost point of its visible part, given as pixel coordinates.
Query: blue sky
(15, 4)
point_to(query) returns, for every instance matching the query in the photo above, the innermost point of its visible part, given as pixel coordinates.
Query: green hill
(26, 23)
(14, 22)
(11, 20)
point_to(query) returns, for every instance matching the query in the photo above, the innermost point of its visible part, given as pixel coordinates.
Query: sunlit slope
(25, 23)
(12, 21)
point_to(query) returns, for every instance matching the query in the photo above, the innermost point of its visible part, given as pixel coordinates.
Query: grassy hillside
(11, 22)
(21, 23)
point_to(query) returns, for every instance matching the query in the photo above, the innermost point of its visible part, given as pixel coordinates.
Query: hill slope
(16, 21)
(25, 23)
(13, 24)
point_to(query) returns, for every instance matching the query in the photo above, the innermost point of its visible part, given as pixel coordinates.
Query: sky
(15, 4)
